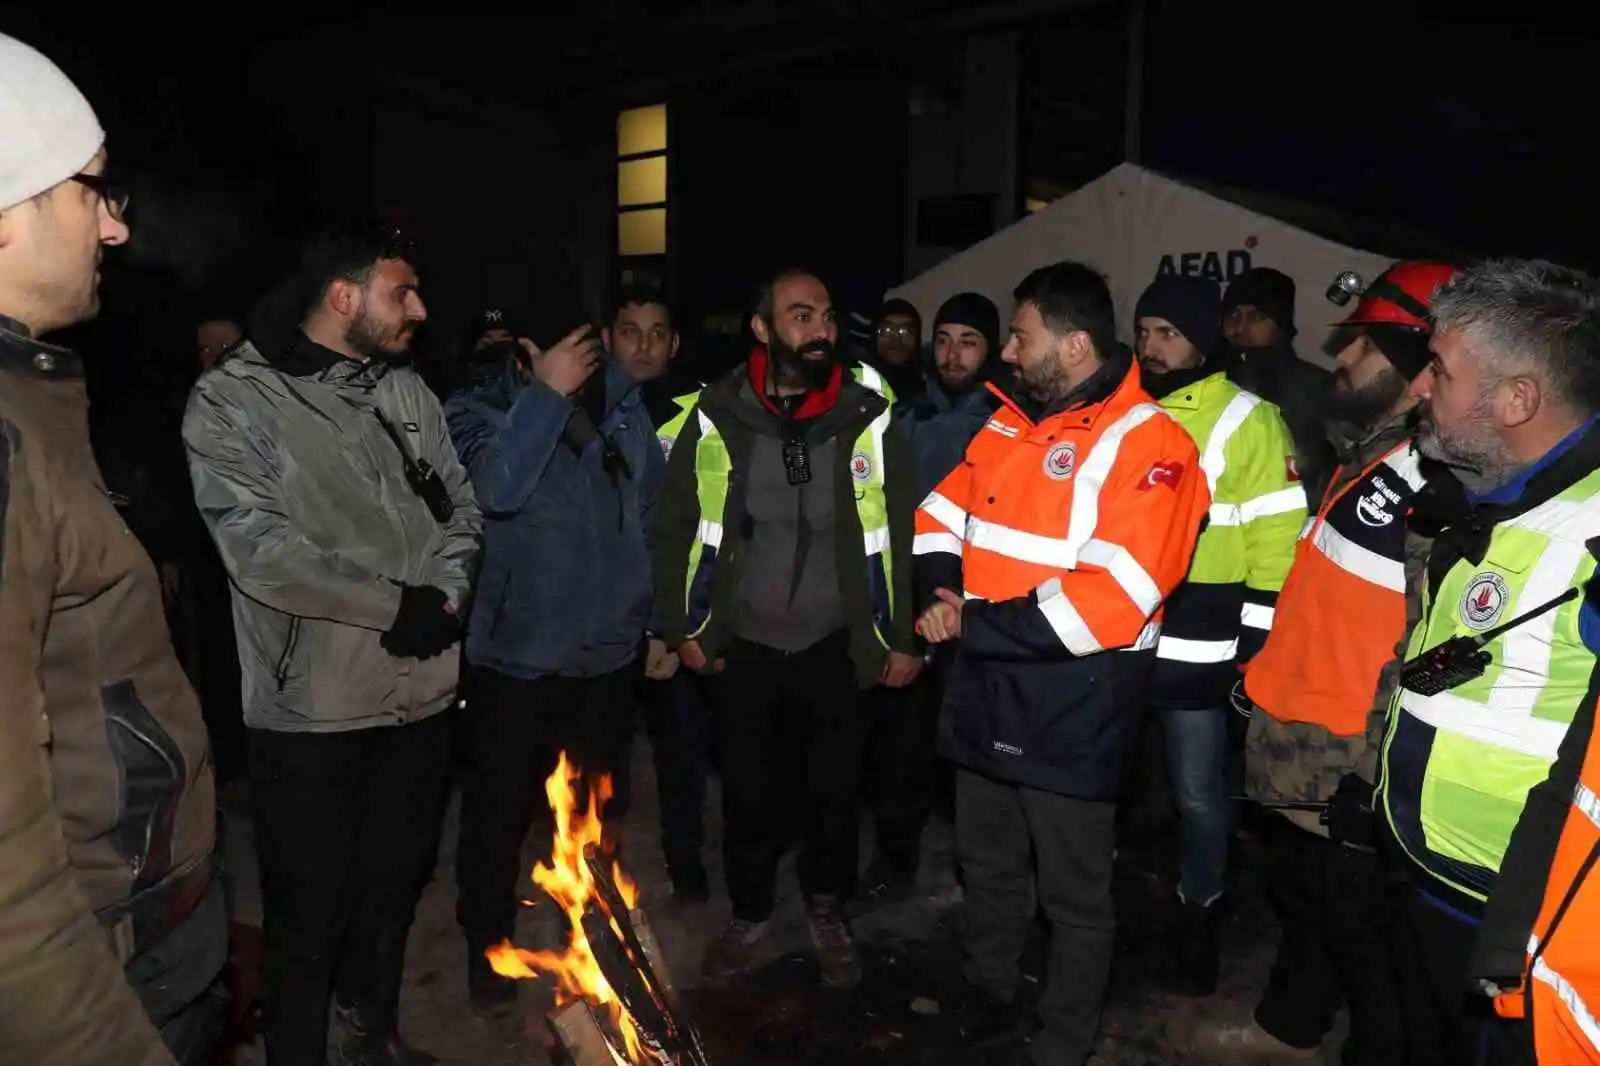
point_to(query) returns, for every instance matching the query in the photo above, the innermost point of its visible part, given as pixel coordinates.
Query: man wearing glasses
(112, 926)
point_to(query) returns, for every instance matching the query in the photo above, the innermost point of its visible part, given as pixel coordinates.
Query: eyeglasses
(115, 197)
(889, 330)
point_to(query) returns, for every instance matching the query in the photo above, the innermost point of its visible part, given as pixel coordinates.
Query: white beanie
(48, 131)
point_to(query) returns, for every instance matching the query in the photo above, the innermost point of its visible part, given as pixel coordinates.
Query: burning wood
(608, 992)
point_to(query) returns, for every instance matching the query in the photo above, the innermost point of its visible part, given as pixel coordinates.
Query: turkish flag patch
(1291, 469)
(1162, 474)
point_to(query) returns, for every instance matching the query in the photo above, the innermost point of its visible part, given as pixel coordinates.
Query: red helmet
(1401, 295)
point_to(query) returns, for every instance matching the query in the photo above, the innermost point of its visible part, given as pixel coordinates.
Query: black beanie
(975, 312)
(1192, 304)
(1272, 291)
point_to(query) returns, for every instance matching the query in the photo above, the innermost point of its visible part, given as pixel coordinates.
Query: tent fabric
(1131, 224)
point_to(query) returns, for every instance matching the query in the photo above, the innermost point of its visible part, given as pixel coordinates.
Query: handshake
(424, 626)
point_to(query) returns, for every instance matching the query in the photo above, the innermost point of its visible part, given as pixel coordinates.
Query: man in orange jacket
(1050, 550)
(1535, 951)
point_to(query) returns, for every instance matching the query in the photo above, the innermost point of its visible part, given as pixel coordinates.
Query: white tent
(1132, 223)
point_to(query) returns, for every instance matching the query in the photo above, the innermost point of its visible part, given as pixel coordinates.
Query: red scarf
(816, 402)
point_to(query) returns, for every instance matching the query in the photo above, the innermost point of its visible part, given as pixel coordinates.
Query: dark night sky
(1470, 132)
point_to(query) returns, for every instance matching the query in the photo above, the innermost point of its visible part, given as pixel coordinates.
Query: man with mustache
(1220, 616)
(1317, 694)
(781, 552)
(1049, 552)
(324, 472)
(1510, 402)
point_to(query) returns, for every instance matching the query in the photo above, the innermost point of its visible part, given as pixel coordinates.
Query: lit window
(642, 130)
(642, 182)
(642, 232)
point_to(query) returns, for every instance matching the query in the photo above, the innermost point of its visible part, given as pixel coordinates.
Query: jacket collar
(21, 354)
(1114, 388)
(305, 358)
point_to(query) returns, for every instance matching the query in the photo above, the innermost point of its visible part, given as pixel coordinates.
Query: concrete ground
(780, 1017)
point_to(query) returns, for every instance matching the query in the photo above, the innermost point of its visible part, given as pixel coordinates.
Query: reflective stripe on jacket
(1219, 617)
(1066, 535)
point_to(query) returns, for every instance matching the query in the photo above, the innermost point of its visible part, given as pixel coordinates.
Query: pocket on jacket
(150, 777)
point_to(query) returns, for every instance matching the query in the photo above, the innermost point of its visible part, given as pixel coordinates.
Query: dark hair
(1071, 296)
(764, 293)
(637, 295)
(346, 251)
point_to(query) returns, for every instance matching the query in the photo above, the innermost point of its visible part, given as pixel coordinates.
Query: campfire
(612, 1007)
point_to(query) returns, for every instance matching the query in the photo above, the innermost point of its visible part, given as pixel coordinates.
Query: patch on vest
(1373, 508)
(666, 444)
(1006, 749)
(1484, 601)
(1060, 461)
(861, 466)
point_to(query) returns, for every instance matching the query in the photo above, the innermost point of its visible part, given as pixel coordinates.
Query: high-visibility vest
(1342, 609)
(1560, 992)
(667, 434)
(1257, 508)
(713, 467)
(1457, 766)
(1091, 512)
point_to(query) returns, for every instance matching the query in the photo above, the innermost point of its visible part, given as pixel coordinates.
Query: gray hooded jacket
(307, 500)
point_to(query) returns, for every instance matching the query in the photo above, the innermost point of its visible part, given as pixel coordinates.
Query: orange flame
(569, 882)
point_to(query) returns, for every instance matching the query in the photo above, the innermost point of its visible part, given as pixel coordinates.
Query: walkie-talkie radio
(1462, 659)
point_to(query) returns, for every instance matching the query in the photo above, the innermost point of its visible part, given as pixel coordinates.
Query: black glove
(423, 627)
(1350, 818)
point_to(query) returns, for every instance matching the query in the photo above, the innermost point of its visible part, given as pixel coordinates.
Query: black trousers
(677, 718)
(347, 830)
(1334, 948)
(511, 734)
(1021, 847)
(904, 764)
(790, 728)
(1446, 1024)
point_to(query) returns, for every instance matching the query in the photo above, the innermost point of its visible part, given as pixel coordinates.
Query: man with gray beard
(1502, 664)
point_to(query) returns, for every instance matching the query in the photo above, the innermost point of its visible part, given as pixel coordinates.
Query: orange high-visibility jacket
(1560, 993)
(1343, 607)
(1066, 535)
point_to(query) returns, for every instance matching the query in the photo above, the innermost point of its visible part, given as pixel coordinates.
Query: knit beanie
(1192, 304)
(975, 312)
(1272, 291)
(48, 131)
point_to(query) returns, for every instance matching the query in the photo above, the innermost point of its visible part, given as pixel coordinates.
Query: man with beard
(1218, 618)
(1050, 550)
(781, 552)
(113, 932)
(326, 477)
(1509, 404)
(1318, 691)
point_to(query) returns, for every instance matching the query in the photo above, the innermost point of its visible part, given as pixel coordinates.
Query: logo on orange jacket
(1162, 474)
(1060, 461)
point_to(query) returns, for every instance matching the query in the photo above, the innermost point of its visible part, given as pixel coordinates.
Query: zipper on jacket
(282, 672)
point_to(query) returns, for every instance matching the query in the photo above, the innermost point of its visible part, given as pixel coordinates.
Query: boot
(833, 941)
(734, 952)
(356, 1044)
(1196, 948)
(981, 1019)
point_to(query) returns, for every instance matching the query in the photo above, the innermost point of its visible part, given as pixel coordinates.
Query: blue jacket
(565, 584)
(941, 428)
